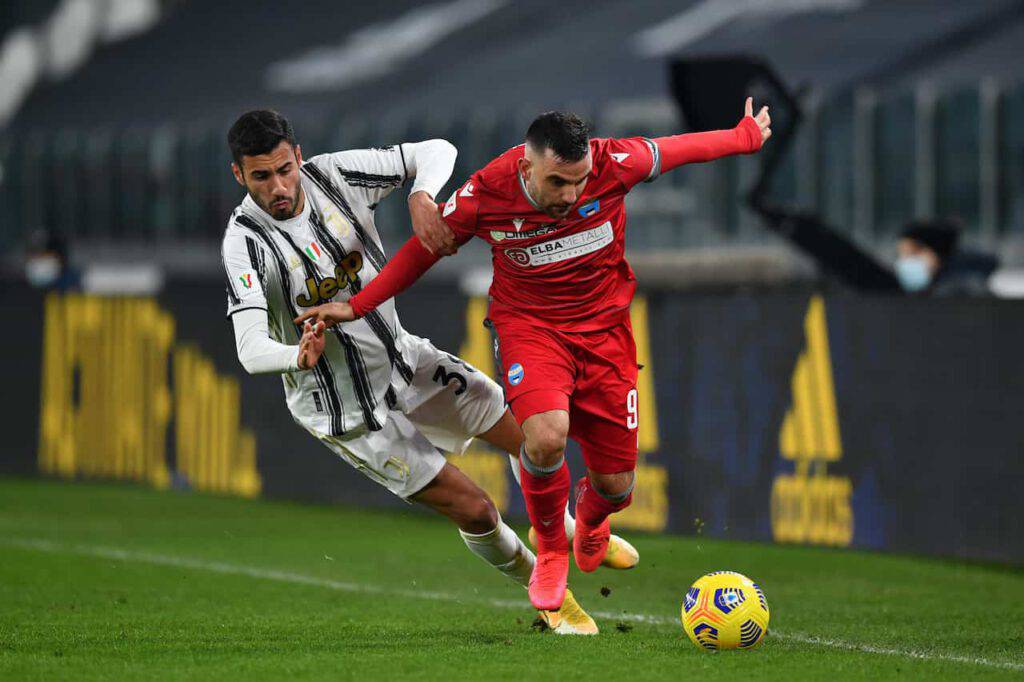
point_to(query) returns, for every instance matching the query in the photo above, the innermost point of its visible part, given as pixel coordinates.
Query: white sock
(503, 549)
(570, 522)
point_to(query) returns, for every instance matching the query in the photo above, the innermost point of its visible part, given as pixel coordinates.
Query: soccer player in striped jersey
(385, 401)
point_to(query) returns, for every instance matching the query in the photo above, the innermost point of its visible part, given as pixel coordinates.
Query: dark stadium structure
(911, 109)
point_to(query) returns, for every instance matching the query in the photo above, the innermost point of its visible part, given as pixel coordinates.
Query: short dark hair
(258, 132)
(565, 134)
(940, 235)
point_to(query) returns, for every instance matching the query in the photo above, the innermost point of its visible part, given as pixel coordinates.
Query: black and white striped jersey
(327, 252)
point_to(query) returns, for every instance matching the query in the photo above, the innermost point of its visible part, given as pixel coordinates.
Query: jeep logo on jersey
(590, 209)
(345, 273)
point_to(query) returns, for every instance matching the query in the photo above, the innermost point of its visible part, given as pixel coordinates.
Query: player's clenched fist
(311, 345)
(328, 314)
(763, 120)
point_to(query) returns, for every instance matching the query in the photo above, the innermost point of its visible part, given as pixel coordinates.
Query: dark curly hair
(258, 132)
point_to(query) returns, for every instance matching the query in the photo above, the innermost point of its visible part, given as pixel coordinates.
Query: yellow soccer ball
(725, 610)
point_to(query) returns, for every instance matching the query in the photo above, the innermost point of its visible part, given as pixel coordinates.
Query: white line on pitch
(340, 586)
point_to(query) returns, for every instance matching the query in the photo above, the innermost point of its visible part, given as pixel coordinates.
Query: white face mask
(42, 271)
(913, 273)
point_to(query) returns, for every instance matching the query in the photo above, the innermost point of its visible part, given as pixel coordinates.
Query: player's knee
(478, 515)
(611, 486)
(545, 434)
(546, 447)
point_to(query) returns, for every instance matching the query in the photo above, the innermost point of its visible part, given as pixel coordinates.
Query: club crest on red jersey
(590, 209)
(516, 374)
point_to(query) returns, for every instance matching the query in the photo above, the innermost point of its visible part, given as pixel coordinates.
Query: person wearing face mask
(930, 261)
(46, 263)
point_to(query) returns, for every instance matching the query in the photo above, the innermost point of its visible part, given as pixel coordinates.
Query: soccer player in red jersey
(553, 211)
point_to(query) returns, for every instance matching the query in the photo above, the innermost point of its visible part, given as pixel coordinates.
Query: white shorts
(448, 403)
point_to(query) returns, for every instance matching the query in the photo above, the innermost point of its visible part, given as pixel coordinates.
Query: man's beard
(284, 213)
(556, 211)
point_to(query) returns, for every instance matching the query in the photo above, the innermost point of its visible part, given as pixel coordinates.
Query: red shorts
(591, 375)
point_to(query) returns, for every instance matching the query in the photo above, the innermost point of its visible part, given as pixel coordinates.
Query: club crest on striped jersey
(334, 220)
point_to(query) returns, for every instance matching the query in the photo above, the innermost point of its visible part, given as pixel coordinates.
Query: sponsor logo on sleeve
(451, 205)
(620, 156)
(516, 374)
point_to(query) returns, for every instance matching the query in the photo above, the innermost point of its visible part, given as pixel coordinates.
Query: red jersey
(570, 274)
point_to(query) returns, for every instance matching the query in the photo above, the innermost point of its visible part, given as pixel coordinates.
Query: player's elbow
(248, 365)
(248, 361)
(444, 148)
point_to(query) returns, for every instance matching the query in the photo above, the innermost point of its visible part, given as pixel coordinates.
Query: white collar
(526, 192)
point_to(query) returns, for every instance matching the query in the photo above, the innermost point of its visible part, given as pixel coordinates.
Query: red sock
(591, 508)
(546, 497)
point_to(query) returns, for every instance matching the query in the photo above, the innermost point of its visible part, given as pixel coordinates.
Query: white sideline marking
(363, 588)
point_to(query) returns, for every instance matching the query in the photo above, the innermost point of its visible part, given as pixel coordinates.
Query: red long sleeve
(676, 150)
(407, 266)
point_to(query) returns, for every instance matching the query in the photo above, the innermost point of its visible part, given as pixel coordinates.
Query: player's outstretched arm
(260, 354)
(746, 138)
(407, 266)
(430, 162)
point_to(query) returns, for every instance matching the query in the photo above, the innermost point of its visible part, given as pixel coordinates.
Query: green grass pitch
(105, 581)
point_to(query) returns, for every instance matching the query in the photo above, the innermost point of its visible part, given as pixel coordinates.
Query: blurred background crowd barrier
(783, 417)
(777, 403)
(868, 161)
(912, 109)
